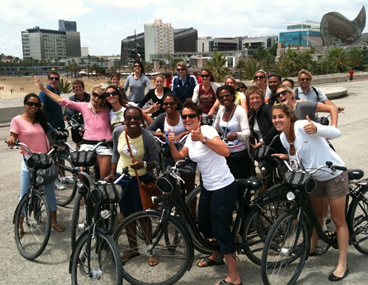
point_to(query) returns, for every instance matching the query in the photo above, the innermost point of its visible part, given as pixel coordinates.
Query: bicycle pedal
(211, 240)
(329, 234)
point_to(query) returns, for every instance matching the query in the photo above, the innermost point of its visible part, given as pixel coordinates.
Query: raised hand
(197, 134)
(171, 137)
(310, 128)
(37, 82)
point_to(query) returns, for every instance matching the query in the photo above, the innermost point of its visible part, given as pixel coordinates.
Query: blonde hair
(254, 89)
(306, 72)
(259, 71)
(183, 65)
(100, 88)
(230, 77)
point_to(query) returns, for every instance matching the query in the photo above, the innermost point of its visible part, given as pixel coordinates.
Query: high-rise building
(158, 39)
(301, 34)
(67, 26)
(48, 44)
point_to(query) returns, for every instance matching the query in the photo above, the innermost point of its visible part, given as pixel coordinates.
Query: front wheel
(286, 248)
(171, 246)
(358, 222)
(80, 218)
(66, 185)
(103, 265)
(33, 215)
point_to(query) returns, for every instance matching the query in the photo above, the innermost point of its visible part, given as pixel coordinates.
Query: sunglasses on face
(190, 116)
(54, 78)
(77, 87)
(224, 96)
(113, 93)
(169, 103)
(205, 75)
(304, 79)
(137, 65)
(259, 77)
(180, 69)
(30, 104)
(283, 93)
(101, 97)
(135, 117)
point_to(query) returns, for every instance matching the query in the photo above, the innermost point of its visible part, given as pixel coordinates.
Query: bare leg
(232, 267)
(319, 207)
(104, 162)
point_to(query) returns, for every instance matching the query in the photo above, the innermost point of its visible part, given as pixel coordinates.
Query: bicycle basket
(59, 134)
(261, 152)
(83, 158)
(39, 161)
(106, 193)
(166, 183)
(300, 180)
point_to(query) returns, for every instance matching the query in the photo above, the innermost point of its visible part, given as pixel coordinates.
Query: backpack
(297, 97)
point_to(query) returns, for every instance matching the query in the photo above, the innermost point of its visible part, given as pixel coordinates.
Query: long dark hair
(123, 99)
(179, 105)
(40, 116)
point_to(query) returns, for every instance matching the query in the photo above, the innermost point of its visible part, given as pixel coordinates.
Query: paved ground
(52, 266)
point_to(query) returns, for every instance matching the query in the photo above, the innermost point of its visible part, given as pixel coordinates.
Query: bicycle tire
(258, 223)
(81, 217)
(105, 260)
(65, 196)
(286, 249)
(358, 222)
(36, 223)
(175, 255)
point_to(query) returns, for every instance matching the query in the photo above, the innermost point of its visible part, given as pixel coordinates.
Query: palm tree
(241, 68)
(251, 67)
(339, 59)
(217, 66)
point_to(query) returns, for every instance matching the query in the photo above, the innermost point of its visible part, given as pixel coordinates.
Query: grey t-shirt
(302, 109)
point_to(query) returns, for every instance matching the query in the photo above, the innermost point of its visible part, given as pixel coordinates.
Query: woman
(156, 95)
(205, 93)
(145, 158)
(219, 191)
(260, 79)
(115, 80)
(117, 101)
(240, 98)
(96, 123)
(31, 128)
(307, 148)
(167, 80)
(137, 82)
(232, 122)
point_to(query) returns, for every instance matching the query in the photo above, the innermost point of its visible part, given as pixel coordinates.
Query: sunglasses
(190, 116)
(169, 103)
(135, 117)
(259, 77)
(77, 87)
(283, 93)
(137, 65)
(205, 75)
(101, 97)
(304, 79)
(113, 93)
(223, 96)
(180, 69)
(54, 78)
(30, 104)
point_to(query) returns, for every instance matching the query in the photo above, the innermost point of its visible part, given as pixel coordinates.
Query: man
(184, 83)
(274, 81)
(79, 96)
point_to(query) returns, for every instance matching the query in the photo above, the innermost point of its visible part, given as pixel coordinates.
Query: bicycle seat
(251, 183)
(354, 174)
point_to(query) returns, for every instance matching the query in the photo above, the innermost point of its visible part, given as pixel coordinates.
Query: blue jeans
(214, 215)
(48, 189)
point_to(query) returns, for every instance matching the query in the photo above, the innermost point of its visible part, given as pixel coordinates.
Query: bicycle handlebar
(328, 164)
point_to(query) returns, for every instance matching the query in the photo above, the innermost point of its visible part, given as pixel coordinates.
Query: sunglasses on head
(135, 117)
(304, 79)
(36, 104)
(169, 103)
(223, 96)
(54, 78)
(101, 97)
(205, 75)
(180, 69)
(190, 116)
(113, 93)
(259, 77)
(282, 93)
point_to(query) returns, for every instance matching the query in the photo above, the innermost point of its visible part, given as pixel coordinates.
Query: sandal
(57, 227)
(210, 262)
(129, 255)
(153, 260)
(224, 282)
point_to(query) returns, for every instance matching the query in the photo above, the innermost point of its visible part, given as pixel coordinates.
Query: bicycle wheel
(172, 247)
(80, 218)
(34, 215)
(358, 222)
(68, 184)
(105, 261)
(258, 223)
(286, 248)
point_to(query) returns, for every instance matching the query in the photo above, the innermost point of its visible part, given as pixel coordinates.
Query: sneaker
(59, 185)
(66, 180)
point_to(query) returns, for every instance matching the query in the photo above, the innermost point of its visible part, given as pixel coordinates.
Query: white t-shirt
(213, 167)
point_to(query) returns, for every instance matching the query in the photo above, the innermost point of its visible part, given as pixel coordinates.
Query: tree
(339, 60)
(65, 86)
(355, 59)
(217, 66)
(241, 67)
(265, 57)
(292, 61)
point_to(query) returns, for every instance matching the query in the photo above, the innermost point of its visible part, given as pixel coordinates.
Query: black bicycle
(288, 241)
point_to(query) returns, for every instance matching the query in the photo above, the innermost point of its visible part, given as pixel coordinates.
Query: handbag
(83, 158)
(106, 193)
(146, 190)
(300, 180)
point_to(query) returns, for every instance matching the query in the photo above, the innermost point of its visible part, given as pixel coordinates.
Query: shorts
(101, 150)
(334, 188)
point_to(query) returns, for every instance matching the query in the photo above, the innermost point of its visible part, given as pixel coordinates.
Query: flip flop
(59, 228)
(210, 262)
(153, 260)
(224, 282)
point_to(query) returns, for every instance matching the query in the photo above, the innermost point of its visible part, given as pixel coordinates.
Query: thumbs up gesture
(197, 133)
(171, 137)
(310, 128)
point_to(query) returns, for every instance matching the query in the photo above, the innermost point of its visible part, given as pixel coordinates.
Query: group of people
(244, 120)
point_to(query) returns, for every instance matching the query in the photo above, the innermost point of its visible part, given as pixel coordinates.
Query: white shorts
(101, 150)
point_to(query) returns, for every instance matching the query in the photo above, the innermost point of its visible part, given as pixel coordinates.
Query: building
(301, 34)
(185, 40)
(251, 44)
(209, 44)
(42, 44)
(132, 48)
(158, 39)
(67, 26)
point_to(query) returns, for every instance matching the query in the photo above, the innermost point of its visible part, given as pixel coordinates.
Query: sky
(104, 23)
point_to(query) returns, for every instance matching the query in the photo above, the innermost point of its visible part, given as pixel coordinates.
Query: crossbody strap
(131, 155)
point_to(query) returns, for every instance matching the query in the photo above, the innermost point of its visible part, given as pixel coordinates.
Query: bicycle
(95, 255)
(171, 234)
(287, 244)
(33, 213)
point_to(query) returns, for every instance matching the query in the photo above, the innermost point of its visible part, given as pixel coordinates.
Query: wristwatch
(204, 140)
(144, 164)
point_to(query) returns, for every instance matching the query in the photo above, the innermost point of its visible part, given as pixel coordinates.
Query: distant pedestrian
(11, 91)
(351, 72)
